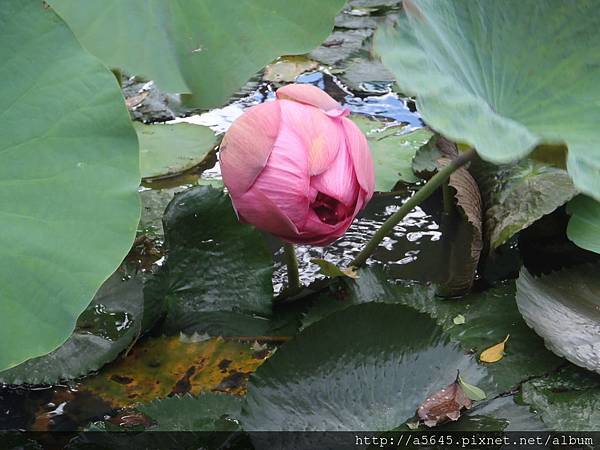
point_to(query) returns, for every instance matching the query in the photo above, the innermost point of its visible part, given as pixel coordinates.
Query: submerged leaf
(495, 353)
(331, 270)
(444, 405)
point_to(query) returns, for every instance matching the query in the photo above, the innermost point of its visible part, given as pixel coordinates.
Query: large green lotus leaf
(207, 48)
(393, 150)
(367, 367)
(567, 401)
(166, 150)
(584, 226)
(69, 173)
(107, 327)
(564, 309)
(517, 195)
(217, 275)
(504, 76)
(489, 316)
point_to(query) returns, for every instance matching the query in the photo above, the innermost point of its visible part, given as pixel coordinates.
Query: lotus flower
(296, 167)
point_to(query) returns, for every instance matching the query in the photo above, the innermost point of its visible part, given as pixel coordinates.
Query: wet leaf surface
(563, 307)
(161, 367)
(318, 381)
(217, 275)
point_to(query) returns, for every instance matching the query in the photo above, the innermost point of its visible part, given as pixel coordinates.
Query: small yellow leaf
(495, 353)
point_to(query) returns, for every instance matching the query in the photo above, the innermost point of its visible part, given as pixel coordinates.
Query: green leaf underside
(335, 376)
(217, 276)
(504, 77)
(517, 195)
(209, 49)
(584, 226)
(172, 148)
(392, 149)
(106, 328)
(67, 224)
(207, 412)
(564, 309)
(567, 401)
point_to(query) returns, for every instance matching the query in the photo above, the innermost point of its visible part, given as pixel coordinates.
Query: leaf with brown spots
(444, 405)
(167, 366)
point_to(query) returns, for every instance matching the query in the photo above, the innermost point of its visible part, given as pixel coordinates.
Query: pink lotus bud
(297, 167)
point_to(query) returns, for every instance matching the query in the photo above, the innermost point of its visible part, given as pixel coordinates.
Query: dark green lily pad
(490, 316)
(564, 309)
(517, 195)
(106, 328)
(206, 412)
(367, 367)
(217, 274)
(567, 401)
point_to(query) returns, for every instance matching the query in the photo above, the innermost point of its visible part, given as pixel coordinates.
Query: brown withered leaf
(462, 261)
(444, 405)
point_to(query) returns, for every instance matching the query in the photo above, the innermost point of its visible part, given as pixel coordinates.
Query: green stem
(422, 194)
(292, 266)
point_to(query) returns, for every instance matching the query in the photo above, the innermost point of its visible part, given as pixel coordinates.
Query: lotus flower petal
(361, 157)
(309, 95)
(247, 145)
(322, 137)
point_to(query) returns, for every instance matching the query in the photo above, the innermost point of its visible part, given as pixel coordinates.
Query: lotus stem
(421, 195)
(292, 266)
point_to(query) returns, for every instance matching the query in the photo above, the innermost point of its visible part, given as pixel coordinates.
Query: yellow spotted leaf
(164, 366)
(495, 353)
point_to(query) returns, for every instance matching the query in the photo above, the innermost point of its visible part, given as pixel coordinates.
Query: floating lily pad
(369, 377)
(206, 412)
(166, 150)
(69, 172)
(340, 45)
(106, 328)
(564, 309)
(207, 49)
(217, 275)
(584, 226)
(393, 149)
(160, 367)
(495, 76)
(517, 195)
(567, 401)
